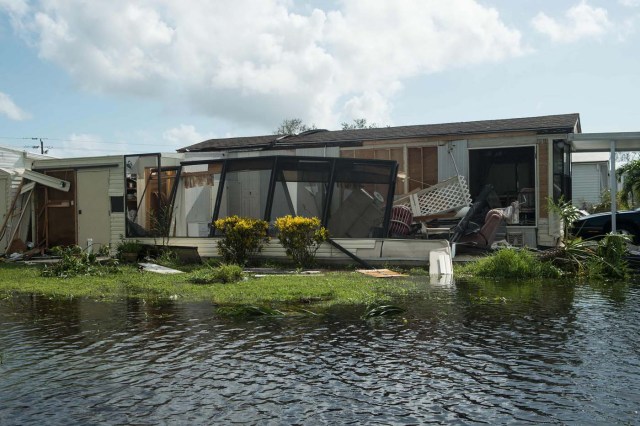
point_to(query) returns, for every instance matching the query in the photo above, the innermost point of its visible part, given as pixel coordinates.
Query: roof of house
(563, 123)
(32, 155)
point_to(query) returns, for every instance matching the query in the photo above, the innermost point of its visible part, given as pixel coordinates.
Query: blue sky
(155, 75)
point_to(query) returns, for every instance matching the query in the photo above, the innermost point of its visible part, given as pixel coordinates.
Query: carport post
(613, 186)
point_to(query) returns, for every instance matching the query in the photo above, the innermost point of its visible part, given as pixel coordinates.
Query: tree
(631, 184)
(292, 126)
(358, 123)
(625, 157)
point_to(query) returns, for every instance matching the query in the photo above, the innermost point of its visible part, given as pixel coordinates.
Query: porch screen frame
(335, 163)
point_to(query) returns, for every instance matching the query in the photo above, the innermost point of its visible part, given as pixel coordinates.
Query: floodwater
(461, 353)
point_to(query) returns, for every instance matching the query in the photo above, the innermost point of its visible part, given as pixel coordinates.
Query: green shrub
(243, 237)
(605, 258)
(222, 274)
(133, 247)
(74, 261)
(511, 263)
(610, 260)
(301, 237)
(167, 257)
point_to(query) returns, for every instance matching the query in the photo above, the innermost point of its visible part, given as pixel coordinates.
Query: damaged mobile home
(366, 186)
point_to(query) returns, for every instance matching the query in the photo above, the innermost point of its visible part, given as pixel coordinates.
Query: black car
(599, 224)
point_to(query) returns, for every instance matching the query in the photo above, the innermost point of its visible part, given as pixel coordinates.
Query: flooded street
(540, 353)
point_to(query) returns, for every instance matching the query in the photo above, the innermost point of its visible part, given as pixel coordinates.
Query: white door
(92, 201)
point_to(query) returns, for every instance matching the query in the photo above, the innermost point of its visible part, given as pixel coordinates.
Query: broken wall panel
(150, 189)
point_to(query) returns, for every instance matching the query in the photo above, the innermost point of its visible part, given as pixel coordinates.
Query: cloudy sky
(94, 77)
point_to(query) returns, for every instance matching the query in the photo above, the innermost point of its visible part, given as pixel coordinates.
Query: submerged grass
(340, 287)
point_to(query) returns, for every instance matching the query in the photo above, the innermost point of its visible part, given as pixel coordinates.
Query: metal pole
(613, 187)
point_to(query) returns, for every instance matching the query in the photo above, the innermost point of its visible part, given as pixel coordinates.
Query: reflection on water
(463, 353)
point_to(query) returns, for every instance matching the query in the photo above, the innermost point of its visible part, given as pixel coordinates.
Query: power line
(81, 141)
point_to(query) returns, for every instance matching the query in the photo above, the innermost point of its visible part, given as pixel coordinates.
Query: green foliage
(161, 222)
(74, 261)
(301, 237)
(104, 251)
(511, 263)
(567, 212)
(308, 291)
(222, 274)
(611, 257)
(588, 258)
(243, 238)
(382, 311)
(358, 123)
(292, 126)
(128, 246)
(631, 184)
(167, 257)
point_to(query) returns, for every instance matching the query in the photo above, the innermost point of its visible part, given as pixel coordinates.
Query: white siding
(11, 159)
(586, 184)
(116, 189)
(446, 166)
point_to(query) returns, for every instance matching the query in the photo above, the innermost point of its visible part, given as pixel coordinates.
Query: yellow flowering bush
(301, 237)
(243, 238)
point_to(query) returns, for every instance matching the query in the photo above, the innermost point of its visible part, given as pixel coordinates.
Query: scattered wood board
(381, 273)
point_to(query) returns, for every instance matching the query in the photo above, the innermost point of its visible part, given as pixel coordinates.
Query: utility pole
(41, 146)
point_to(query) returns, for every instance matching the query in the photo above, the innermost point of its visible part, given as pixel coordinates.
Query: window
(561, 170)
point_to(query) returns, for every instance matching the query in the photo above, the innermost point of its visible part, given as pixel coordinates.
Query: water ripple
(560, 355)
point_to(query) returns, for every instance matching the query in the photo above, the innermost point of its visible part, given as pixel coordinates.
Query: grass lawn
(336, 287)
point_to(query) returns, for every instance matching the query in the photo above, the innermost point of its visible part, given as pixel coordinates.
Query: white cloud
(259, 62)
(18, 7)
(581, 21)
(184, 135)
(81, 145)
(629, 3)
(9, 109)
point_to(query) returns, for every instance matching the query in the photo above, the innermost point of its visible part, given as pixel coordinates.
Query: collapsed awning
(45, 180)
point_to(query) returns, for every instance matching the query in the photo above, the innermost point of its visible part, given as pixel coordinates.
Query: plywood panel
(381, 154)
(415, 169)
(368, 154)
(430, 165)
(60, 219)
